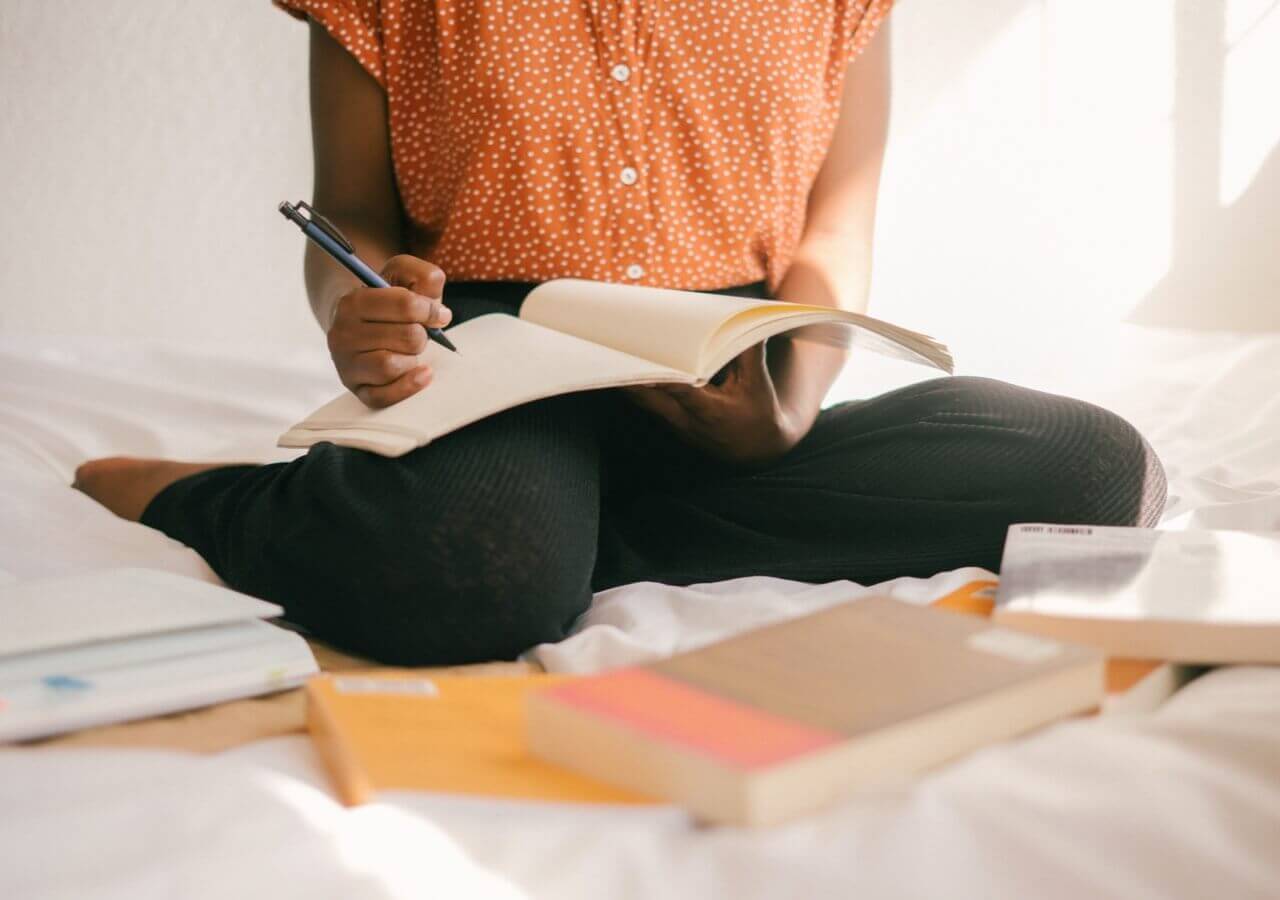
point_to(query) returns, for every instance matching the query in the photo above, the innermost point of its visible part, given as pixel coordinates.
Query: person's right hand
(377, 334)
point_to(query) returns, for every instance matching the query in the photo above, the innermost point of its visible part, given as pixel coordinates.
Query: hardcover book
(781, 720)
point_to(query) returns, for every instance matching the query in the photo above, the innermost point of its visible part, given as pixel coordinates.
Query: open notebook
(575, 335)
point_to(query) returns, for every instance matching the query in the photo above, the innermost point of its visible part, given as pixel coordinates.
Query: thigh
(914, 481)
(993, 445)
(475, 546)
(640, 455)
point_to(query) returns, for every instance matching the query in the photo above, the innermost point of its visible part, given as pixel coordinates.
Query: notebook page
(502, 362)
(755, 326)
(831, 327)
(667, 326)
(698, 332)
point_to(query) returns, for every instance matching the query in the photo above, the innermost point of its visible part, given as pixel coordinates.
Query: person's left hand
(740, 420)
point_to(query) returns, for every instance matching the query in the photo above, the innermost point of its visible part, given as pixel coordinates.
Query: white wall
(1050, 160)
(1083, 159)
(144, 146)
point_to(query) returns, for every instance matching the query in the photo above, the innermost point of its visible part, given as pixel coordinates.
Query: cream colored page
(834, 327)
(698, 333)
(502, 362)
(384, 443)
(667, 326)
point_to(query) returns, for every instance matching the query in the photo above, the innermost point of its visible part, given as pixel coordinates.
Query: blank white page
(698, 332)
(667, 326)
(501, 362)
(114, 603)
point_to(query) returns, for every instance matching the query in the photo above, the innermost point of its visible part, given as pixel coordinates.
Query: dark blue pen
(325, 234)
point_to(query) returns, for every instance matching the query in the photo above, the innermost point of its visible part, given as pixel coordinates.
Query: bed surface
(1183, 802)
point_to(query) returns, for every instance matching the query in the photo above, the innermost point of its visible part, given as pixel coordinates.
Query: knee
(1066, 460)
(464, 597)
(413, 562)
(1113, 477)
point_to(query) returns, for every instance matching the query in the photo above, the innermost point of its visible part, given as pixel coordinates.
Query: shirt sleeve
(355, 24)
(863, 21)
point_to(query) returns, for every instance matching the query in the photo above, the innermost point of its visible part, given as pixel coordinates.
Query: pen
(327, 236)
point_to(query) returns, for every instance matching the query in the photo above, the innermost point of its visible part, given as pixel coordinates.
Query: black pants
(492, 539)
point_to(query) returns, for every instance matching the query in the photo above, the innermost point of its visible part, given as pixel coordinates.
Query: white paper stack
(122, 644)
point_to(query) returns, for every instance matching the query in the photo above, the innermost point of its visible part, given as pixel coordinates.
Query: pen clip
(315, 218)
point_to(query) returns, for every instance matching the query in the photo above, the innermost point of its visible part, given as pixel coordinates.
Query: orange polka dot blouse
(663, 142)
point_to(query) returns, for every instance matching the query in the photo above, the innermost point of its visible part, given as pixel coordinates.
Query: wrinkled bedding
(1181, 803)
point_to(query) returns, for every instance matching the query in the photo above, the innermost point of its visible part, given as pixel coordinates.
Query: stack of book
(752, 729)
(1131, 686)
(779, 721)
(784, 719)
(122, 644)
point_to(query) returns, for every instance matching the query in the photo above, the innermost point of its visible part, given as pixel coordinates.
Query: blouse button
(635, 271)
(627, 175)
(620, 72)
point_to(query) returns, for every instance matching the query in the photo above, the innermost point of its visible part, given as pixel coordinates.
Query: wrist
(776, 440)
(795, 419)
(803, 373)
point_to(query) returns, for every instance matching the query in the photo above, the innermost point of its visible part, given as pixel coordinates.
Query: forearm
(355, 183)
(831, 272)
(327, 281)
(832, 266)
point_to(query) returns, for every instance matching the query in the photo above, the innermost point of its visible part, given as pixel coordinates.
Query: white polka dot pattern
(664, 143)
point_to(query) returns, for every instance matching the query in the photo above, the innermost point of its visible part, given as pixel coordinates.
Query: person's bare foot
(126, 484)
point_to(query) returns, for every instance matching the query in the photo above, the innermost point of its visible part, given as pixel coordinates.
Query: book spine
(617, 755)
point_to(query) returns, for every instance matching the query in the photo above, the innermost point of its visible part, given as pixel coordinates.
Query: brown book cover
(780, 720)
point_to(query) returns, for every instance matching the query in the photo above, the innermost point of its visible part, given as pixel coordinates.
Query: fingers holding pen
(399, 337)
(416, 274)
(382, 367)
(424, 279)
(377, 340)
(377, 333)
(396, 304)
(408, 384)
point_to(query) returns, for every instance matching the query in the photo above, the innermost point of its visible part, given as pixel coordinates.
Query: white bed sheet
(1182, 803)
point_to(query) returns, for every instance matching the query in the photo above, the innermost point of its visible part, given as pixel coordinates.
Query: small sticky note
(66, 683)
(355, 684)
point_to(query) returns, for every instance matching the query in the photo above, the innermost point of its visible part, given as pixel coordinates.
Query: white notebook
(122, 644)
(576, 335)
(1186, 596)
